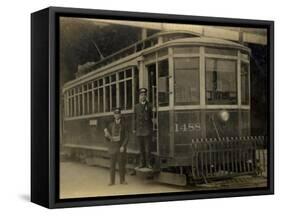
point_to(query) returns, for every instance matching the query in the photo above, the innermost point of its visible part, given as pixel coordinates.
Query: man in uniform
(143, 127)
(116, 134)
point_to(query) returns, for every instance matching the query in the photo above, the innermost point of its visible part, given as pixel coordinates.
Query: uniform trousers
(144, 143)
(120, 158)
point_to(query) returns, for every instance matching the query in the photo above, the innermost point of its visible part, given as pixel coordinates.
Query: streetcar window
(187, 81)
(80, 105)
(244, 55)
(96, 101)
(221, 81)
(76, 108)
(100, 82)
(95, 84)
(218, 51)
(107, 79)
(101, 100)
(121, 75)
(129, 94)
(113, 78)
(128, 73)
(90, 102)
(89, 86)
(163, 83)
(136, 81)
(113, 95)
(186, 50)
(107, 99)
(244, 83)
(122, 94)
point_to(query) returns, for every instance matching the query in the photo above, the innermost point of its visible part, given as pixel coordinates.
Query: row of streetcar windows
(101, 95)
(118, 89)
(220, 77)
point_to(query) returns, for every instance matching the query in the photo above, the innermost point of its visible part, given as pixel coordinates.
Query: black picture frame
(45, 107)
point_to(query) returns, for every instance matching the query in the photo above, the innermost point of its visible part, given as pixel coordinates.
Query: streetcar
(200, 91)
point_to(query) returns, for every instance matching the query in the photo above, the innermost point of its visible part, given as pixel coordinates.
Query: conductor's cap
(142, 90)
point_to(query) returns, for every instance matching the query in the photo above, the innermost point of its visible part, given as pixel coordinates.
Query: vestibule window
(244, 83)
(163, 83)
(221, 84)
(187, 81)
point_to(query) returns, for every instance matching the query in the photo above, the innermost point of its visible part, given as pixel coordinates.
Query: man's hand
(122, 149)
(134, 131)
(106, 133)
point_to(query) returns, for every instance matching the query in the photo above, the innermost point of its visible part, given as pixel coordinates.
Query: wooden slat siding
(244, 158)
(209, 159)
(192, 160)
(219, 154)
(254, 154)
(236, 154)
(251, 155)
(197, 160)
(231, 154)
(264, 162)
(226, 154)
(202, 162)
(239, 142)
(206, 160)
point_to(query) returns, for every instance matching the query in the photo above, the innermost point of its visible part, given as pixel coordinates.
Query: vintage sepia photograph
(156, 107)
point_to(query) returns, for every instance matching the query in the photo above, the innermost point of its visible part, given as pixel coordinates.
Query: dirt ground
(79, 180)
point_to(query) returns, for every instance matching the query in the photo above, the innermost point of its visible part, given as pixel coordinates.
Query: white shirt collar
(117, 121)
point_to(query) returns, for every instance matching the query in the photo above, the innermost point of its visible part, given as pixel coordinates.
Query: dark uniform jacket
(114, 147)
(143, 119)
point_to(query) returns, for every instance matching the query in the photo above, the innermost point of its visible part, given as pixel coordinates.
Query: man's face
(117, 116)
(142, 97)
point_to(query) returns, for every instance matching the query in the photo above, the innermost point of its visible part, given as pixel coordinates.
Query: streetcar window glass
(76, 102)
(89, 86)
(218, 51)
(113, 95)
(244, 83)
(186, 81)
(101, 100)
(128, 73)
(106, 79)
(90, 102)
(113, 78)
(121, 75)
(95, 84)
(221, 81)
(122, 95)
(129, 94)
(96, 101)
(80, 104)
(244, 55)
(100, 82)
(107, 99)
(163, 83)
(71, 106)
(136, 81)
(186, 50)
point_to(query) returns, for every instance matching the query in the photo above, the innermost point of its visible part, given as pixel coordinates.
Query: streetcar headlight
(223, 115)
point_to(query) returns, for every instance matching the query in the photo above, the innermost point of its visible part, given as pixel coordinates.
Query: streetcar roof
(195, 40)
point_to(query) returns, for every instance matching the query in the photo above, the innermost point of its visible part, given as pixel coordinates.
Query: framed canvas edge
(54, 202)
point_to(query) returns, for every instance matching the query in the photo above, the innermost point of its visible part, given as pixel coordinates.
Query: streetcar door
(152, 97)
